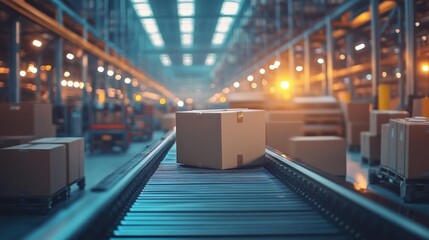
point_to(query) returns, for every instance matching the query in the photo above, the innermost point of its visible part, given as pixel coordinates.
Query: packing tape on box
(240, 117)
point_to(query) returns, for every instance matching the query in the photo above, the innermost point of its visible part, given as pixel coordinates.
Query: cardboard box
(28, 119)
(370, 145)
(220, 139)
(285, 116)
(379, 117)
(9, 141)
(74, 155)
(393, 144)
(421, 107)
(353, 130)
(279, 133)
(356, 111)
(32, 170)
(327, 153)
(168, 121)
(385, 137)
(413, 150)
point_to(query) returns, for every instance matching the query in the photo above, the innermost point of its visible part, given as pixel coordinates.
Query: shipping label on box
(221, 139)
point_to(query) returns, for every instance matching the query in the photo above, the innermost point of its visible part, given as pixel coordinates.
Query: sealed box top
(34, 147)
(316, 138)
(59, 140)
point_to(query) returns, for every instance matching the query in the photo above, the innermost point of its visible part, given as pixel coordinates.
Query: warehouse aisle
(97, 166)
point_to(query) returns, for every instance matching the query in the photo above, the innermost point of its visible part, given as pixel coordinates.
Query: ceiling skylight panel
(150, 26)
(210, 59)
(139, 1)
(143, 10)
(165, 59)
(224, 24)
(186, 25)
(186, 8)
(187, 59)
(186, 39)
(230, 7)
(218, 38)
(156, 39)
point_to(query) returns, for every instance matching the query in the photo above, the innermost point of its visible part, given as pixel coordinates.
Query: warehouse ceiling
(185, 39)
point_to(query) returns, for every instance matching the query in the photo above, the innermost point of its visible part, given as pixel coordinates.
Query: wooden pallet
(40, 204)
(410, 190)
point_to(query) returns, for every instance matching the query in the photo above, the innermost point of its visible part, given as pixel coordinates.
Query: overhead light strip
(144, 10)
(165, 59)
(187, 59)
(186, 12)
(210, 59)
(228, 12)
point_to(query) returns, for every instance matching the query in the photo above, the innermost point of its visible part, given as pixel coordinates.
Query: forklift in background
(142, 122)
(109, 129)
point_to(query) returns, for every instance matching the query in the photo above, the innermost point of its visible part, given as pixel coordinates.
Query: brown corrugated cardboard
(413, 139)
(220, 139)
(385, 137)
(28, 119)
(327, 153)
(168, 121)
(370, 146)
(421, 107)
(74, 153)
(295, 116)
(9, 141)
(278, 134)
(379, 117)
(353, 132)
(356, 111)
(32, 170)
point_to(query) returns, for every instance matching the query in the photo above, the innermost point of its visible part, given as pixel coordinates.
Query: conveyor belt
(152, 197)
(185, 202)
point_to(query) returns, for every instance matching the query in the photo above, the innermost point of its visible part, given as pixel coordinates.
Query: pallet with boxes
(404, 154)
(371, 141)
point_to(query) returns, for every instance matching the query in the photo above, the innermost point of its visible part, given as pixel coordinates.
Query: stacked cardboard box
(9, 141)
(371, 141)
(75, 154)
(327, 153)
(356, 115)
(168, 121)
(27, 119)
(407, 149)
(421, 107)
(32, 170)
(279, 132)
(220, 139)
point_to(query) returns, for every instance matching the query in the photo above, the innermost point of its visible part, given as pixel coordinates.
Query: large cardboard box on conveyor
(75, 154)
(220, 139)
(278, 134)
(26, 119)
(327, 153)
(32, 170)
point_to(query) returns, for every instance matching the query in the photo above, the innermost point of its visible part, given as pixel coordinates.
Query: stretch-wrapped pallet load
(32, 170)
(220, 139)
